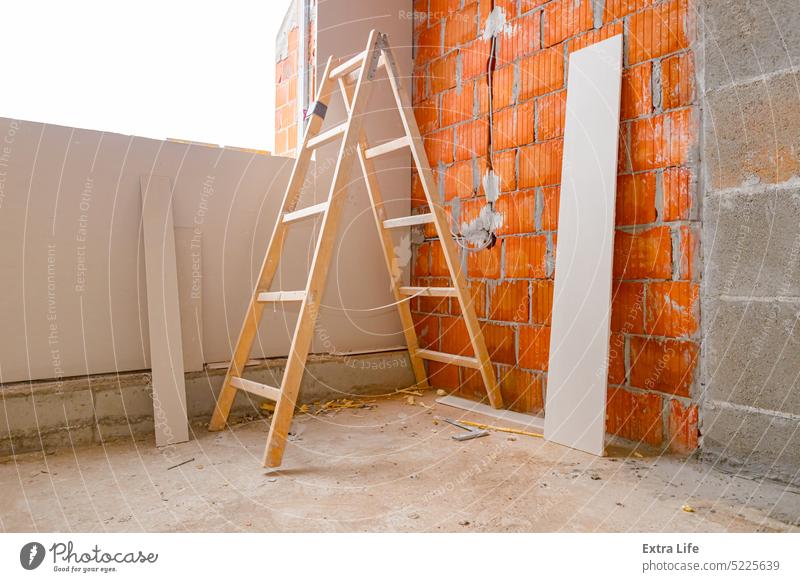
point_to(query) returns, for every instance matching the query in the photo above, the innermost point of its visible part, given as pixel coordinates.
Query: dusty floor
(389, 468)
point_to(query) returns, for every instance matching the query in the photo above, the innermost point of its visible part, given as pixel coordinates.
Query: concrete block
(752, 133)
(757, 444)
(752, 243)
(752, 353)
(748, 39)
(129, 399)
(45, 408)
(349, 376)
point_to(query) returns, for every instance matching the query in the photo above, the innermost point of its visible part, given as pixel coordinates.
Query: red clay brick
(429, 44)
(484, 263)
(502, 88)
(443, 73)
(457, 105)
(455, 339)
(505, 166)
(677, 193)
(550, 114)
(427, 329)
(682, 432)
(518, 210)
(636, 199)
(661, 141)
(427, 116)
(504, 135)
(499, 342)
(441, 8)
(689, 249)
(593, 36)
(472, 139)
(541, 73)
(521, 390)
(540, 164)
(534, 347)
(522, 39)
(677, 81)
(541, 302)
(643, 255)
(615, 9)
(635, 416)
(458, 181)
(616, 359)
(550, 197)
(672, 308)
(525, 257)
(439, 147)
(474, 59)
(657, 31)
(566, 18)
(509, 301)
(526, 5)
(637, 93)
(443, 375)
(461, 26)
(438, 263)
(627, 307)
(664, 365)
(422, 260)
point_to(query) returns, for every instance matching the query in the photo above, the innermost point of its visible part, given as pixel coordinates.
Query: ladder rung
(326, 136)
(466, 361)
(274, 296)
(305, 212)
(429, 291)
(262, 390)
(387, 147)
(408, 220)
(348, 66)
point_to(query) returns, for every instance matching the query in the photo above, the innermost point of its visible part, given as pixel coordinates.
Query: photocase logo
(31, 555)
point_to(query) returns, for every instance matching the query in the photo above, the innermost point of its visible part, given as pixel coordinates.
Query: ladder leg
(247, 335)
(304, 331)
(440, 221)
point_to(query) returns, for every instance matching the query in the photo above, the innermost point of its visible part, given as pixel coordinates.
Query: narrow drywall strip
(579, 339)
(166, 351)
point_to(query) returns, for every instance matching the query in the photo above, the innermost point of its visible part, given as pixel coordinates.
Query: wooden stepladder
(354, 79)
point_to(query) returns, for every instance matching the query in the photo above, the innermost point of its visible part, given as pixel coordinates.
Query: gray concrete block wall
(751, 235)
(45, 416)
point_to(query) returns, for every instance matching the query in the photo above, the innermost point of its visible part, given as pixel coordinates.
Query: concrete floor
(387, 468)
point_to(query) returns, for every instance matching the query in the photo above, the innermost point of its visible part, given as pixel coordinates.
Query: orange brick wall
(655, 314)
(286, 97)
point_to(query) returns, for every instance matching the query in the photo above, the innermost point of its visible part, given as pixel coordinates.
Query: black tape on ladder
(318, 109)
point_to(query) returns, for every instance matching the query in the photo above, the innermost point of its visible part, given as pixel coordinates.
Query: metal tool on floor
(355, 78)
(473, 433)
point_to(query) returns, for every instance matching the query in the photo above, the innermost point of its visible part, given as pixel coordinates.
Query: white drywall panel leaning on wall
(343, 27)
(73, 299)
(579, 337)
(164, 313)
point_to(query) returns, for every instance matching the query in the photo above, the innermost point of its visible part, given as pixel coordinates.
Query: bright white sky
(193, 70)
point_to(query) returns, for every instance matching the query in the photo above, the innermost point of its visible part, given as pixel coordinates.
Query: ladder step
(408, 220)
(305, 212)
(275, 296)
(445, 358)
(348, 66)
(262, 390)
(429, 291)
(389, 146)
(326, 136)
